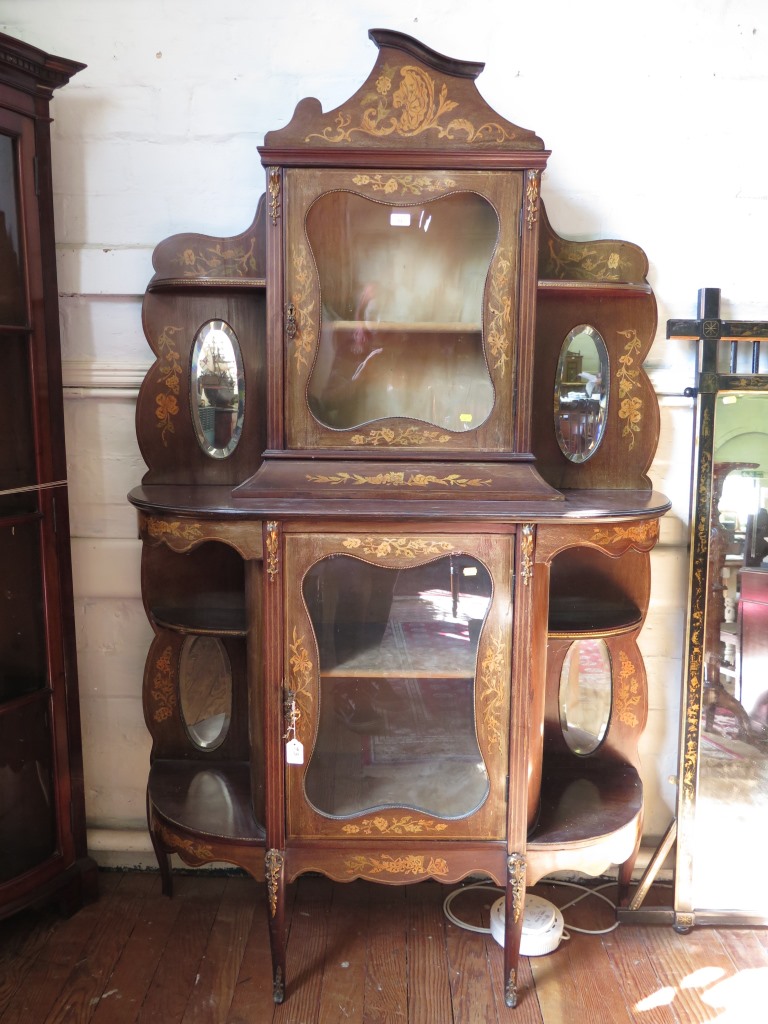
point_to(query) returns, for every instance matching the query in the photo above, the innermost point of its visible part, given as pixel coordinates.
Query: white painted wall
(654, 115)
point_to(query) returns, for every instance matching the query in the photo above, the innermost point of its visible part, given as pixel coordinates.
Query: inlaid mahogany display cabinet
(42, 818)
(396, 520)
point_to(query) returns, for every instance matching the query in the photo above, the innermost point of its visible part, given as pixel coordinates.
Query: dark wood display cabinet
(396, 518)
(42, 819)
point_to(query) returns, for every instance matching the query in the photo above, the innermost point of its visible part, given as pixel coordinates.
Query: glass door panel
(12, 305)
(402, 309)
(23, 657)
(27, 815)
(397, 664)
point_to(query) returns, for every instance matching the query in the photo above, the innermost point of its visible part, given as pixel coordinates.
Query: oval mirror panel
(585, 695)
(581, 393)
(205, 690)
(217, 389)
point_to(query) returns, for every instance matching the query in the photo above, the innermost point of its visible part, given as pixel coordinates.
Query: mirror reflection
(402, 310)
(581, 393)
(397, 652)
(585, 694)
(732, 793)
(205, 690)
(217, 387)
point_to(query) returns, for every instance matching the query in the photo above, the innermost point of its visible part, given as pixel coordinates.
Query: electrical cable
(585, 891)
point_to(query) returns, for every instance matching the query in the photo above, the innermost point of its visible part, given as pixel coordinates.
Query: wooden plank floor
(357, 954)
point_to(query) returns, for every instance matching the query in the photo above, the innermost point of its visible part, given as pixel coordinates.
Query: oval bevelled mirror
(217, 389)
(581, 393)
(205, 690)
(585, 695)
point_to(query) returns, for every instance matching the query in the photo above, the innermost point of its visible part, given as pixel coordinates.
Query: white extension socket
(542, 925)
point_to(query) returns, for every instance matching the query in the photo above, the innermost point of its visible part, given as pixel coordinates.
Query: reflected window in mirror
(581, 393)
(217, 389)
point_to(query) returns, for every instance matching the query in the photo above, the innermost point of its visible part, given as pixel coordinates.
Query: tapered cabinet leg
(275, 875)
(513, 924)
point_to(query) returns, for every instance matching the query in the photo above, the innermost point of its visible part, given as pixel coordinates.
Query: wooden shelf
(212, 614)
(401, 327)
(591, 616)
(208, 798)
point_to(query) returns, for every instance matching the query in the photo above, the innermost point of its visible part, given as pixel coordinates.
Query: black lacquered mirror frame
(729, 355)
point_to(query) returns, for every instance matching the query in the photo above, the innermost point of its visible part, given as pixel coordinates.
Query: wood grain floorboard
(358, 953)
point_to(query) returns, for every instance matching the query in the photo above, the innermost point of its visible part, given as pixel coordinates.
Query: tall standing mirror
(723, 781)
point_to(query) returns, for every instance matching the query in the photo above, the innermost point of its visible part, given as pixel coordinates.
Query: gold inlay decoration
(163, 690)
(216, 261)
(169, 368)
(526, 550)
(302, 671)
(532, 199)
(195, 850)
(272, 552)
(407, 825)
(590, 261)
(273, 866)
(405, 437)
(274, 194)
(640, 533)
(631, 407)
(159, 529)
(303, 308)
(500, 304)
(627, 692)
(408, 105)
(516, 877)
(398, 479)
(492, 689)
(397, 547)
(413, 184)
(414, 864)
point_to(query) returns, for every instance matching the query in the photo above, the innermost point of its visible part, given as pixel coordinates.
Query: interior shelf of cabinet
(166, 284)
(583, 799)
(209, 798)
(214, 613)
(591, 616)
(613, 288)
(398, 326)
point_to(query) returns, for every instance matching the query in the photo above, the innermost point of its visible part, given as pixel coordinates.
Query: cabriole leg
(513, 924)
(275, 876)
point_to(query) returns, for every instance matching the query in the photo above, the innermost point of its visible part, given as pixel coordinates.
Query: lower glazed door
(398, 661)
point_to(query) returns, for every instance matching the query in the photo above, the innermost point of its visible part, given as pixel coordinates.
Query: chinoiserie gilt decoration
(402, 510)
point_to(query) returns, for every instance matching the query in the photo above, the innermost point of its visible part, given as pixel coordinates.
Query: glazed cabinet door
(401, 318)
(398, 665)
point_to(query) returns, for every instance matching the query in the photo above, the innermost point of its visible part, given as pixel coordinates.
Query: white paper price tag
(294, 752)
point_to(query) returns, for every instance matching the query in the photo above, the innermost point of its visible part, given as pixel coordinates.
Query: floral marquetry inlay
(387, 865)
(406, 825)
(398, 479)
(631, 406)
(409, 184)
(500, 304)
(218, 261)
(397, 547)
(169, 369)
(302, 671)
(492, 689)
(627, 692)
(161, 529)
(163, 689)
(303, 333)
(645, 534)
(404, 437)
(408, 101)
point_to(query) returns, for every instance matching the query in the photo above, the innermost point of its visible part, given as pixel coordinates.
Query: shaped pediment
(414, 99)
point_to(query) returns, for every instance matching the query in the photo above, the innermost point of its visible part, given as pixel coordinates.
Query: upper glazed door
(401, 318)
